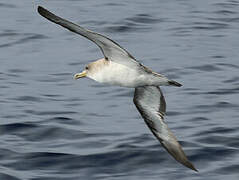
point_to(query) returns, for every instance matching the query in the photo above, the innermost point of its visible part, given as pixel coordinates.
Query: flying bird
(119, 67)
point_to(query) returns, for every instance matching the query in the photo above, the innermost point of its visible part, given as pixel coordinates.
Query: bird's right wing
(151, 104)
(111, 50)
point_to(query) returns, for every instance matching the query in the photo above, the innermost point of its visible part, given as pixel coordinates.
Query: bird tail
(174, 83)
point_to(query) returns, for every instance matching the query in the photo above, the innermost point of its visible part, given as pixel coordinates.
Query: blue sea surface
(53, 127)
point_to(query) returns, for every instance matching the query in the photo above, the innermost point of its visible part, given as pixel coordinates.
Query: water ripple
(6, 5)
(138, 22)
(27, 37)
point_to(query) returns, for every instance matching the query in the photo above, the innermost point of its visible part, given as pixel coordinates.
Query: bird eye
(86, 67)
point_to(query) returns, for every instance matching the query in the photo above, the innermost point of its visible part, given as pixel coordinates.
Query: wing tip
(40, 9)
(189, 165)
(48, 15)
(175, 149)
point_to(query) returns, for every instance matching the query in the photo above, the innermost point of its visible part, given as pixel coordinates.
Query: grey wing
(151, 104)
(110, 49)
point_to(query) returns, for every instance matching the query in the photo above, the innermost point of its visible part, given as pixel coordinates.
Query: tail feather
(174, 83)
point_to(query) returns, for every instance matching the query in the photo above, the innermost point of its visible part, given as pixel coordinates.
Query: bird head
(92, 70)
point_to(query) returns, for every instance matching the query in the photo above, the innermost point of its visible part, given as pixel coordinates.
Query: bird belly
(119, 75)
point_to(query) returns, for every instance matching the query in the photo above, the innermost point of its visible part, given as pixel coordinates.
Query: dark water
(53, 127)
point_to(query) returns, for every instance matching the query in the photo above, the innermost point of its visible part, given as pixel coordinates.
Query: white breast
(117, 74)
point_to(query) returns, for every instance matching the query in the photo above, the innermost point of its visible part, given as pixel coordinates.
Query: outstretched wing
(111, 50)
(151, 104)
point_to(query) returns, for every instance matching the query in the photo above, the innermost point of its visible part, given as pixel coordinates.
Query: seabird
(119, 67)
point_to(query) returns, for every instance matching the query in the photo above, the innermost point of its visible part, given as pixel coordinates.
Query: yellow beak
(80, 75)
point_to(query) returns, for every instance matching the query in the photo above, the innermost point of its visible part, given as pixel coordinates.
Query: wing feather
(110, 49)
(151, 104)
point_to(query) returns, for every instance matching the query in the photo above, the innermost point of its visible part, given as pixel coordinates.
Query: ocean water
(55, 128)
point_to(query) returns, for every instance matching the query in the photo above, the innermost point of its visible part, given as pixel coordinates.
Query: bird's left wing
(151, 104)
(111, 50)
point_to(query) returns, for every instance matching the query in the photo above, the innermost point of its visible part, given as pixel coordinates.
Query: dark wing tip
(40, 9)
(44, 12)
(48, 15)
(175, 149)
(190, 165)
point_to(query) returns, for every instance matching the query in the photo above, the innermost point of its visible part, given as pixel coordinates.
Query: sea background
(53, 127)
